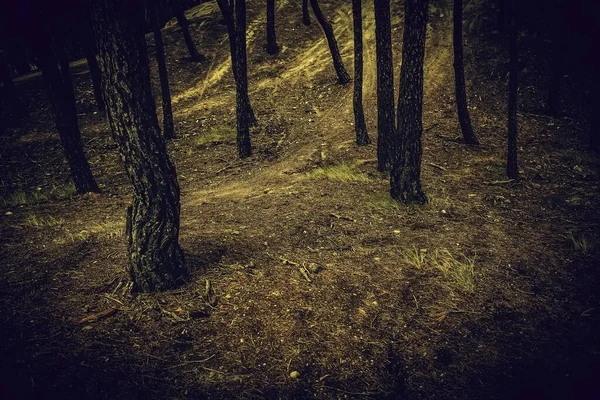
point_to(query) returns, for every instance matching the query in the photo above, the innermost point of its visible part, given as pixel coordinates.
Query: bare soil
(306, 280)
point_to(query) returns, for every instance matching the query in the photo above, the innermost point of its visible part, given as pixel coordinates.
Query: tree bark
(92, 62)
(385, 83)
(338, 64)
(241, 83)
(459, 78)
(62, 101)
(272, 47)
(156, 259)
(362, 136)
(189, 42)
(305, 13)
(10, 92)
(512, 169)
(405, 177)
(168, 126)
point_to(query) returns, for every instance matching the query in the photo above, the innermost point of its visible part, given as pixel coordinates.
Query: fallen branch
(95, 317)
(491, 183)
(304, 273)
(438, 166)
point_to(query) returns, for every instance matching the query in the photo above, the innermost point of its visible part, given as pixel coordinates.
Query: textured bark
(385, 83)
(512, 169)
(9, 90)
(362, 136)
(168, 126)
(156, 260)
(227, 11)
(241, 83)
(89, 51)
(338, 64)
(405, 177)
(272, 47)
(189, 42)
(459, 78)
(305, 13)
(62, 101)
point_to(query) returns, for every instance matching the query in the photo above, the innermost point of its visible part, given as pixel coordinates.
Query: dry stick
(438, 166)
(190, 362)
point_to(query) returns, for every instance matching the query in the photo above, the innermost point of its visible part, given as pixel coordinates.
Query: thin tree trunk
(189, 42)
(305, 13)
(272, 47)
(168, 126)
(90, 56)
(459, 79)
(338, 64)
(10, 92)
(385, 83)
(241, 83)
(156, 259)
(512, 169)
(405, 177)
(362, 136)
(62, 101)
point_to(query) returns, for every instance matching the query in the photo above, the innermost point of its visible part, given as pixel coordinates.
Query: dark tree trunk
(156, 260)
(342, 75)
(90, 56)
(405, 177)
(272, 47)
(168, 126)
(9, 91)
(62, 101)
(385, 83)
(241, 83)
(305, 13)
(227, 11)
(459, 78)
(595, 125)
(185, 29)
(362, 136)
(556, 78)
(512, 170)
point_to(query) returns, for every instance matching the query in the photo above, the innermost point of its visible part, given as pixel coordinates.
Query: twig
(491, 183)
(304, 273)
(95, 317)
(342, 217)
(190, 362)
(438, 166)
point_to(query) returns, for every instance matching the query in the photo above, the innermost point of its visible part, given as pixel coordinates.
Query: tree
(512, 169)
(272, 47)
(168, 126)
(227, 9)
(241, 84)
(405, 177)
(305, 13)
(184, 24)
(459, 78)
(89, 51)
(10, 92)
(62, 101)
(385, 83)
(338, 64)
(362, 136)
(156, 260)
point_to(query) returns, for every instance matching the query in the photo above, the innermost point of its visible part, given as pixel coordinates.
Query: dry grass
(458, 269)
(339, 172)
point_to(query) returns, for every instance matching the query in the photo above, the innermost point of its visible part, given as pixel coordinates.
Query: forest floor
(306, 279)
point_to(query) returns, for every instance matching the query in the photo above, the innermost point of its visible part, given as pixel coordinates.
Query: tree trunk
(459, 78)
(227, 11)
(62, 101)
(156, 260)
(241, 83)
(362, 136)
(385, 83)
(272, 47)
(512, 170)
(184, 24)
(10, 92)
(405, 177)
(557, 77)
(168, 126)
(342, 75)
(305, 13)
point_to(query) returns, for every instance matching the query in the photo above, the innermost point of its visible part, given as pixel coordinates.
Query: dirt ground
(306, 280)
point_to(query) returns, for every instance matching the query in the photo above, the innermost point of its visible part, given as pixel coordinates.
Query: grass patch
(55, 192)
(582, 243)
(415, 257)
(34, 221)
(215, 135)
(339, 172)
(382, 203)
(459, 269)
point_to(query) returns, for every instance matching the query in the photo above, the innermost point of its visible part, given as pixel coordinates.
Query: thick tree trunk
(385, 83)
(512, 169)
(338, 64)
(185, 29)
(405, 177)
(156, 260)
(305, 13)
(241, 83)
(362, 136)
(227, 11)
(168, 126)
(62, 101)
(459, 78)
(9, 91)
(272, 47)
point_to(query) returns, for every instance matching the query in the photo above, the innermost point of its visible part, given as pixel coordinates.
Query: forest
(293, 199)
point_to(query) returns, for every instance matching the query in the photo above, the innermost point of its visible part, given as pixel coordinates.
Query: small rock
(295, 374)
(8, 213)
